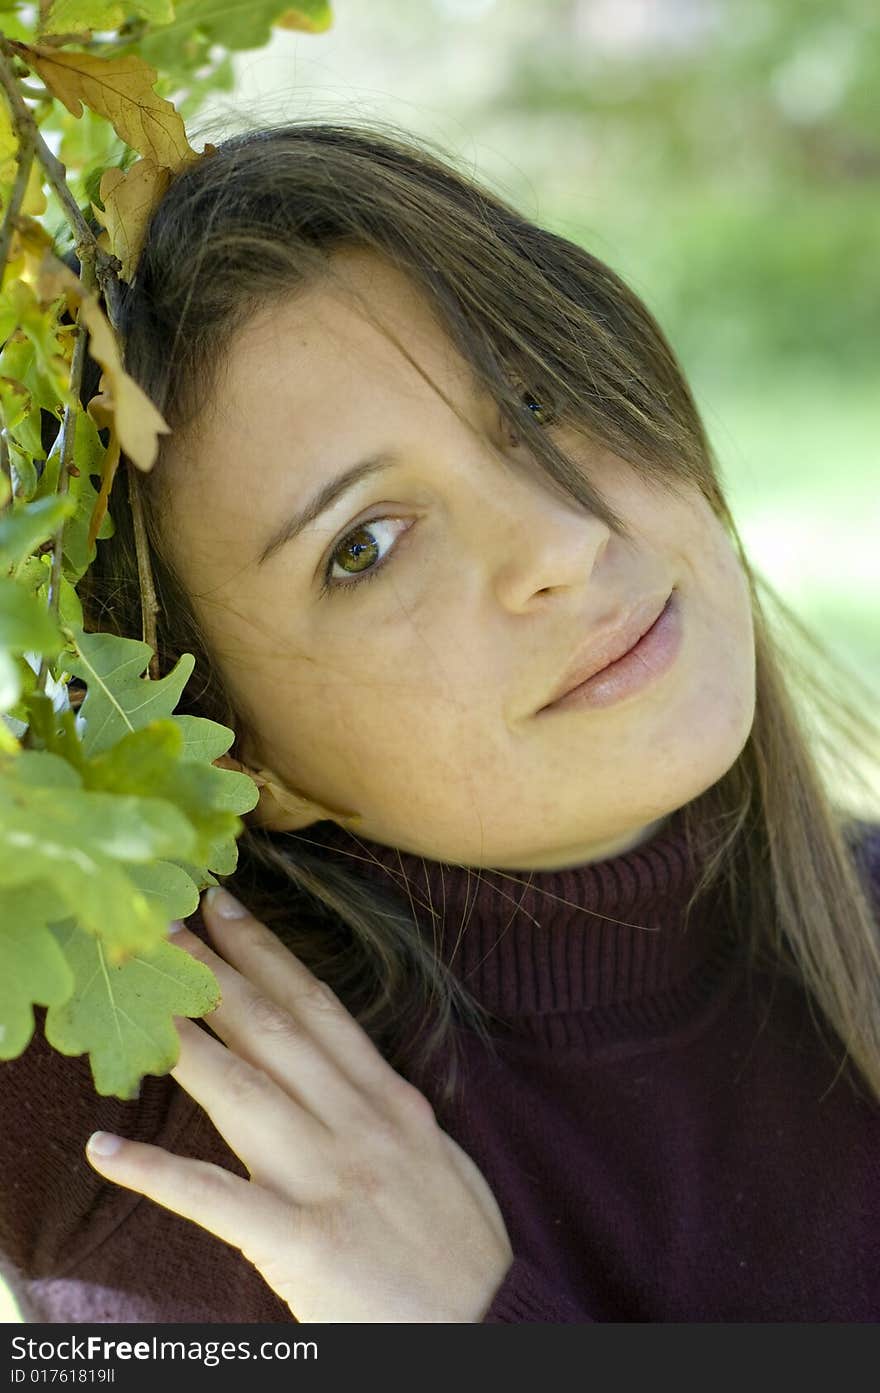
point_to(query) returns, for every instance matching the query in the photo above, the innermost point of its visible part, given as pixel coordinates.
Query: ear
(282, 808)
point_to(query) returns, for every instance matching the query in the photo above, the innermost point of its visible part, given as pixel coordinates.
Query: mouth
(621, 663)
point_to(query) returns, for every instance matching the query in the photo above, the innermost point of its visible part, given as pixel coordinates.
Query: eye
(361, 546)
(539, 410)
(538, 406)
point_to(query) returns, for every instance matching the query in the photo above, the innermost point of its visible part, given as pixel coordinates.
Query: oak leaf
(123, 1013)
(34, 967)
(137, 422)
(129, 198)
(119, 88)
(67, 16)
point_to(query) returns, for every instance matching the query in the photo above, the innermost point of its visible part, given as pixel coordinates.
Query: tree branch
(149, 603)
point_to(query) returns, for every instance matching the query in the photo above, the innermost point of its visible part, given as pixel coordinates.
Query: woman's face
(411, 696)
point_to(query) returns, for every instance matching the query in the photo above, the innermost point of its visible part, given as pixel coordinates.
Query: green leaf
(123, 1014)
(207, 740)
(223, 857)
(18, 359)
(15, 399)
(55, 730)
(71, 16)
(34, 967)
(26, 626)
(204, 740)
(174, 889)
(43, 330)
(118, 699)
(38, 769)
(8, 323)
(200, 877)
(32, 573)
(70, 610)
(24, 470)
(13, 28)
(147, 763)
(76, 555)
(80, 842)
(88, 456)
(28, 525)
(234, 24)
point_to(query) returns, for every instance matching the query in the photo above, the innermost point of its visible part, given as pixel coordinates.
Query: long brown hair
(255, 219)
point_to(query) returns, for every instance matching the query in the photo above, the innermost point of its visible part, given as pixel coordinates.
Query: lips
(611, 646)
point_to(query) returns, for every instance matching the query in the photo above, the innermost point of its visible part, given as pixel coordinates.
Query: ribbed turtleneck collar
(603, 941)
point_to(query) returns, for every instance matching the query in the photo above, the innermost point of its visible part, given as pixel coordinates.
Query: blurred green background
(724, 157)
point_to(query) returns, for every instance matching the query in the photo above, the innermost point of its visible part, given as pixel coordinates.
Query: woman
(601, 1041)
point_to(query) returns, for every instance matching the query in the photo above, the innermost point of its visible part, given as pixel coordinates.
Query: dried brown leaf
(137, 422)
(129, 200)
(120, 89)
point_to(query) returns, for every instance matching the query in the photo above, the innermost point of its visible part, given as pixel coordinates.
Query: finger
(283, 1146)
(279, 975)
(234, 1210)
(271, 1039)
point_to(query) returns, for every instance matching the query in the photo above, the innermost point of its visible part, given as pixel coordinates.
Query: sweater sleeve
(54, 1207)
(526, 1297)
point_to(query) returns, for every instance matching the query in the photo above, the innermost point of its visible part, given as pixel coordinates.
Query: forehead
(340, 349)
(308, 386)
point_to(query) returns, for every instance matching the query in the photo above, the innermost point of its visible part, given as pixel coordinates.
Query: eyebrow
(324, 498)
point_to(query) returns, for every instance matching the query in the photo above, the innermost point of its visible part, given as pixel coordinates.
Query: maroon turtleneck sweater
(665, 1144)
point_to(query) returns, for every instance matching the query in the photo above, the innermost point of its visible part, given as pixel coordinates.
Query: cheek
(409, 736)
(416, 717)
(722, 703)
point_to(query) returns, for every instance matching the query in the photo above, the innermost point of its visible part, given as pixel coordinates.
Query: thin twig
(25, 157)
(149, 603)
(37, 94)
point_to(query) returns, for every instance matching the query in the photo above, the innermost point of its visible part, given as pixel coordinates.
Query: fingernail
(103, 1143)
(224, 904)
(175, 926)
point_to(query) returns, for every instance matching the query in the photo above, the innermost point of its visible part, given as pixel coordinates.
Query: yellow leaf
(137, 422)
(120, 89)
(15, 402)
(8, 138)
(298, 19)
(46, 336)
(34, 201)
(31, 238)
(129, 200)
(67, 16)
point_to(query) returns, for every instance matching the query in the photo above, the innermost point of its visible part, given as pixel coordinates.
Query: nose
(538, 540)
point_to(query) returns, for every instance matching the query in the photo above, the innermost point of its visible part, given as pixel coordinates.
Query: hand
(359, 1207)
